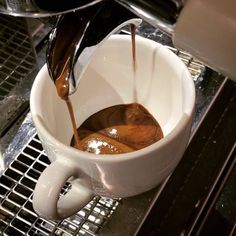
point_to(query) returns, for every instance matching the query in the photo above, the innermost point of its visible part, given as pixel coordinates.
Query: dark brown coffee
(118, 129)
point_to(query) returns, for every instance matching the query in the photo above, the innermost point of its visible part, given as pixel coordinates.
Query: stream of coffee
(134, 61)
(62, 86)
(117, 129)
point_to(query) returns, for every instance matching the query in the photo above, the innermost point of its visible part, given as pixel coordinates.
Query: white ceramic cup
(164, 86)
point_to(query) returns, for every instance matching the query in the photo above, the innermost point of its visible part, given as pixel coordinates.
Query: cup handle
(46, 201)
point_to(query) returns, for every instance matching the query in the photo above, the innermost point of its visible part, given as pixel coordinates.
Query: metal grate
(195, 67)
(16, 55)
(17, 69)
(17, 216)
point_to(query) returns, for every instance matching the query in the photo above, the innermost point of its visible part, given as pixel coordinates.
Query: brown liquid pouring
(117, 129)
(132, 30)
(62, 86)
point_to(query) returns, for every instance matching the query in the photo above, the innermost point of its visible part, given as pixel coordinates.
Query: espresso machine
(199, 198)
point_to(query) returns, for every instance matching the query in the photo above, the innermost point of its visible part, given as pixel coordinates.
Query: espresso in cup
(118, 129)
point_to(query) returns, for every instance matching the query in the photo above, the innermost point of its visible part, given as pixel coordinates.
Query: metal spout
(78, 34)
(159, 13)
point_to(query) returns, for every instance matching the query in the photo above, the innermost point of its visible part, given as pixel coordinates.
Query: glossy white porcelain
(164, 86)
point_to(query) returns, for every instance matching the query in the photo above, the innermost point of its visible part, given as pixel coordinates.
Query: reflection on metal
(42, 8)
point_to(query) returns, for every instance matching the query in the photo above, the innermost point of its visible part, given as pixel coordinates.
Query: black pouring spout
(78, 34)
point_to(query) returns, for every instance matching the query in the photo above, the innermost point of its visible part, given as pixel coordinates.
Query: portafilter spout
(77, 35)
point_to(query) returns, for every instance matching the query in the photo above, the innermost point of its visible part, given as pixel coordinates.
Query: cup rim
(184, 120)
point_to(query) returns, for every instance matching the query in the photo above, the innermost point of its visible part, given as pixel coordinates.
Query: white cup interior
(162, 84)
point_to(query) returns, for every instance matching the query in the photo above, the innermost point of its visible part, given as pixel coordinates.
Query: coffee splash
(117, 129)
